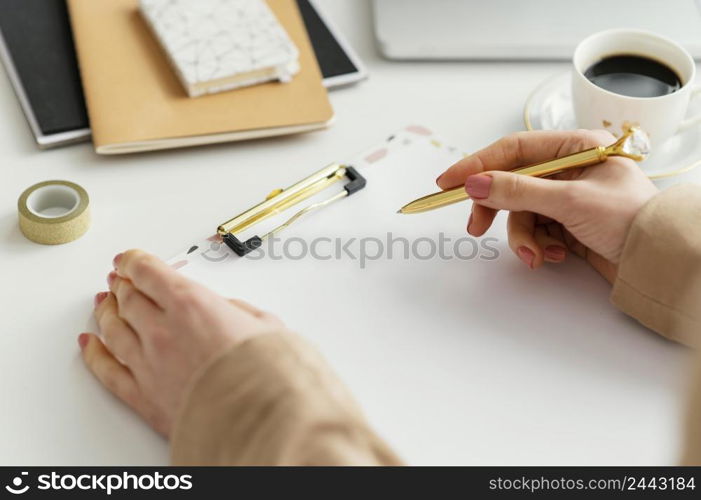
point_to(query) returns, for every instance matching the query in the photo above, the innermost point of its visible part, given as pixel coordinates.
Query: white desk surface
(572, 383)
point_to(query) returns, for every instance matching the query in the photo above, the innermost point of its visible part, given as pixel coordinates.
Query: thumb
(515, 192)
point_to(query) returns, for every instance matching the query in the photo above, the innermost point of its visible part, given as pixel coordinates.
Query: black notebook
(338, 63)
(36, 46)
(37, 38)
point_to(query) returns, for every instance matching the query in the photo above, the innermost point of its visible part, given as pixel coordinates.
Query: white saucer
(549, 107)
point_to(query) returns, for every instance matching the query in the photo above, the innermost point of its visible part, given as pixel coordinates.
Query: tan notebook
(136, 103)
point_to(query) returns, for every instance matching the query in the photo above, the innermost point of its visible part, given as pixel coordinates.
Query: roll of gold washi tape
(54, 212)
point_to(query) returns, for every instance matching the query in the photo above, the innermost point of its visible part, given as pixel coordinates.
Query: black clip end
(357, 181)
(239, 247)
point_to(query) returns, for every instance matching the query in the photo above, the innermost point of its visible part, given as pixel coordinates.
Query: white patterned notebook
(217, 45)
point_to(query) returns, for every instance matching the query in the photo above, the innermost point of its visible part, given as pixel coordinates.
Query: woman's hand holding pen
(585, 211)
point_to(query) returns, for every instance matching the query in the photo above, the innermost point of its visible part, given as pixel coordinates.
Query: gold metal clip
(281, 199)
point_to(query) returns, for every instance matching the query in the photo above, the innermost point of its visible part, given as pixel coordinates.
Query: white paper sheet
(458, 357)
(347, 235)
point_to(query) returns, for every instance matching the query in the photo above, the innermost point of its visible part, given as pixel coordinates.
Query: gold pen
(633, 144)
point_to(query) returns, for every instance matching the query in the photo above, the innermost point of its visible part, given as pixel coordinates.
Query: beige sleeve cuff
(692, 438)
(659, 277)
(272, 400)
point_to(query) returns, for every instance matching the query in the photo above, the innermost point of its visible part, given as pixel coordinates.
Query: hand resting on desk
(226, 383)
(586, 211)
(159, 329)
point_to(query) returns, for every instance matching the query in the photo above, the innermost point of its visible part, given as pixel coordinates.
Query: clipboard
(280, 199)
(416, 147)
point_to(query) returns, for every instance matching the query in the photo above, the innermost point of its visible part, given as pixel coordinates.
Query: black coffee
(634, 76)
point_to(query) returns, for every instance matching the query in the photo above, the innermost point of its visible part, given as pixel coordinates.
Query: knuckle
(115, 338)
(603, 137)
(574, 196)
(625, 166)
(133, 254)
(269, 320)
(111, 377)
(510, 143)
(519, 222)
(131, 395)
(517, 138)
(267, 316)
(104, 307)
(517, 230)
(104, 320)
(503, 141)
(584, 138)
(89, 354)
(514, 240)
(141, 264)
(160, 339)
(514, 137)
(106, 334)
(513, 187)
(128, 353)
(125, 294)
(185, 297)
(108, 330)
(158, 420)
(99, 312)
(123, 346)
(576, 143)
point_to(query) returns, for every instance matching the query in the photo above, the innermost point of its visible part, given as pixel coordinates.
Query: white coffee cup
(661, 117)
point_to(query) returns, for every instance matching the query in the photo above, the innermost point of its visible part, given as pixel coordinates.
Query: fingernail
(438, 179)
(555, 252)
(83, 340)
(469, 223)
(526, 255)
(478, 186)
(111, 277)
(100, 297)
(116, 260)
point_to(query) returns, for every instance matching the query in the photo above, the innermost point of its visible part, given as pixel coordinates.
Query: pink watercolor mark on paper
(376, 155)
(418, 129)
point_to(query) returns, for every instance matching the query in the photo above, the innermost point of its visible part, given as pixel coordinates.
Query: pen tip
(400, 211)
